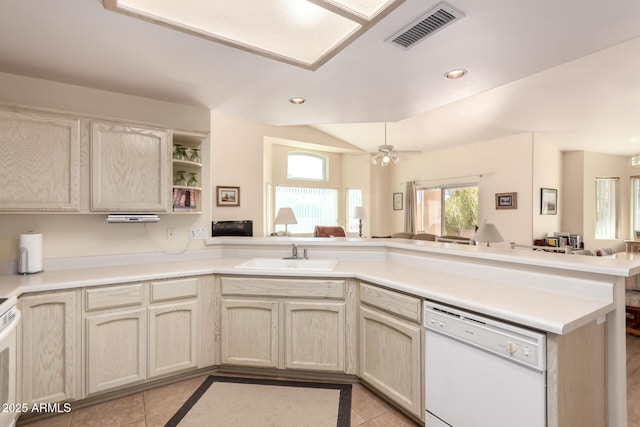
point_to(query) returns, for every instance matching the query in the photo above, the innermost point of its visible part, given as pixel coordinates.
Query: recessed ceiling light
(297, 100)
(455, 74)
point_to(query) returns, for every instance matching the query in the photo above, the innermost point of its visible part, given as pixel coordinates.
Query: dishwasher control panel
(521, 345)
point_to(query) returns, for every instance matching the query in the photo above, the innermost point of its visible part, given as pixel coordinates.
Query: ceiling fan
(386, 154)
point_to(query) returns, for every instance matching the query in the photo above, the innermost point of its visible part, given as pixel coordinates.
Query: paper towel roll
(30, 253)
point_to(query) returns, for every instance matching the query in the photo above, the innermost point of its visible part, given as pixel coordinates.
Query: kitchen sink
(289, 264)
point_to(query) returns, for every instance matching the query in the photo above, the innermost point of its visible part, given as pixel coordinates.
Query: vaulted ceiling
(568, 70)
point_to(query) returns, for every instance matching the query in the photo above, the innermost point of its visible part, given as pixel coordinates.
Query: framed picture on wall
(227, 196)
(506, 200)
(548, 201)
(397, 201)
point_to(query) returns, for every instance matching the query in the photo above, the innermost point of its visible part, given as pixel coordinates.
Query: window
(447, 211)
(354, 198)
(306, 166)
(311, 206)
(606, 208)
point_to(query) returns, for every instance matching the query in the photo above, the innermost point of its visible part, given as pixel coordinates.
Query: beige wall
(505, 165)
(356, 173)
(243, 151)
(547, 173)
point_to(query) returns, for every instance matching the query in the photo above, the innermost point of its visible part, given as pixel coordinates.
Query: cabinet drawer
(174, 289)
(304, 288)
(392, 302)
(114, 296)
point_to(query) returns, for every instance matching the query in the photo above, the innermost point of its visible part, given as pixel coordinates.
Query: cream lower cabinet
(315, 335)
(50, 347)
(391, 346)
(249, 332)
(173, 340)
(116, 349)
(138, 331)
(301, 325)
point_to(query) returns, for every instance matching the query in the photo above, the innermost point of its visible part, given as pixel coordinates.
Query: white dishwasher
(480, 372)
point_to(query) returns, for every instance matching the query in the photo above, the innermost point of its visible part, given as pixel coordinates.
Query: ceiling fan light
(396, 160)
(386, 159)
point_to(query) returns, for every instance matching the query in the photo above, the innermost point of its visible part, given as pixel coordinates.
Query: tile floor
(155, 407)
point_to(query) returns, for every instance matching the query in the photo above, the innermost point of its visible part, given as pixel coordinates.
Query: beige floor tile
(366, 404)
(170, 397)
(356, 419)
(124, 411)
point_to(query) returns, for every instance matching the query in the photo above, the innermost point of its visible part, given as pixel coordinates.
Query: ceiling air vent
(426, 25)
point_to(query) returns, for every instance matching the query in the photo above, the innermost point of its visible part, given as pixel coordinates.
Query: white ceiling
(569, 70)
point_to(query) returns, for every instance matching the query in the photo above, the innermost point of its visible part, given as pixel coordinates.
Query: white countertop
(547, 309)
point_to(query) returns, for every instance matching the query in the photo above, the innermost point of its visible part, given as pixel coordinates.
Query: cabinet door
(50, 348)
(173, 338)
(40, 162)
(315, 335)
(116, 349)
(129, 168)
(249, 334)
(390, 358)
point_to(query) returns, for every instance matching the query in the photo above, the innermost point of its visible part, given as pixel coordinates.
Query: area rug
(252, 402)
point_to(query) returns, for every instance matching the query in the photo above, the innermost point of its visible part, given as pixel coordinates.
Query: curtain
(410, 207)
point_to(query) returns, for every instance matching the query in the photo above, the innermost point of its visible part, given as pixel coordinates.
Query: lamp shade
(285, 216)
(488, 233)
(359, 212)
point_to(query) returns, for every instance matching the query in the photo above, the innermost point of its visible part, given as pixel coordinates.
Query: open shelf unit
(187, 172)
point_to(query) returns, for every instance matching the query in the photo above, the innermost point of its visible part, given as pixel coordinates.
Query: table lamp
(285, 216)
(488, 233)
(359, 213)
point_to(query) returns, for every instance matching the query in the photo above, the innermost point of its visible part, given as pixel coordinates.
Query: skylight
(302, 33)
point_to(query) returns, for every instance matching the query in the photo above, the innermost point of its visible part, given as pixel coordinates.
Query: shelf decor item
(180, 179)
(506, 200)
(227, 196)
(179, 152)
(193, 180)
(194, 155)
(548, 201)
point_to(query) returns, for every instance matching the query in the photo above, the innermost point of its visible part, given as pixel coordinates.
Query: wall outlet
(197, 234)
(171, 234)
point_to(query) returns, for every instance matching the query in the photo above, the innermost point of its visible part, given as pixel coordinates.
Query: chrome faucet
(294, 252)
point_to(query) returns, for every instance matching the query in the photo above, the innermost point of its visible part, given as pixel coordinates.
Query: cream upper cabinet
(130, 168)
(391, 346)
(40, 161)
(50, 347)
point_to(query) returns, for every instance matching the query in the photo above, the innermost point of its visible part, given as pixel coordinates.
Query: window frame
(316, 156)
(442, 189)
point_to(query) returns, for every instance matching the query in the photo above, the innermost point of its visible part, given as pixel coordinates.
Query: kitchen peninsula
(577, 301)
